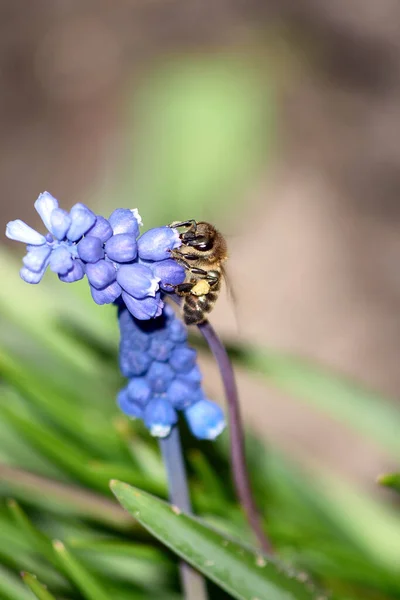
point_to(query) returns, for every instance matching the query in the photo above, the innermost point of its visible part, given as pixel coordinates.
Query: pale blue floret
(37, 257)
(205, 419)
(125, 220)
(101, 274)
(21, 232)
(121, 247)
(60, 223)
(90, 249)
(45, 205)
(156, 243)
(82, 220)
(159, 416)
(107, 295)
(148, 308)
(138, 280)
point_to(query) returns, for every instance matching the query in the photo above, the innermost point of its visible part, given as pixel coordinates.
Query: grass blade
(241, 571)
(36, 587)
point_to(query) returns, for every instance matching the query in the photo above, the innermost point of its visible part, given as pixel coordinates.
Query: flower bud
(45, 204)
(137, 280)
(82, 220)
(121, 248)
(156, 243)
(60, 222)
(100, 274)
(205, 419)
(124, 220)
(90, 249)
(61, 260)
(159, 416)
(101, 229)
(106, 295)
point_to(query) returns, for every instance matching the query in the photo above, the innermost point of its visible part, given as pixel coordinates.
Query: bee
(202, 253)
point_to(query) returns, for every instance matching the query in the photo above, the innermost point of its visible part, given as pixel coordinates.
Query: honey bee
(202, 253)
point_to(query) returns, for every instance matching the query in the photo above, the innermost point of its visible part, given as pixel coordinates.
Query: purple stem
(239, 469)
(193, 584)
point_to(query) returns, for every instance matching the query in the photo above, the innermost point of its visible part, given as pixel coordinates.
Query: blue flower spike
(164, 377)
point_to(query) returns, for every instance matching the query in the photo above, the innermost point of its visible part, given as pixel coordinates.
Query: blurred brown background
(315, 244)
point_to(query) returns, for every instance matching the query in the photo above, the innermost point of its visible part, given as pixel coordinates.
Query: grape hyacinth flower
(116, 260)
(135, 271)
(164, 377)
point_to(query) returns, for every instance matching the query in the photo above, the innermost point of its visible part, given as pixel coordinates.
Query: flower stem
(193, 583)
(239, 469)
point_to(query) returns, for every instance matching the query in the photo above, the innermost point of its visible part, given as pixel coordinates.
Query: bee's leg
(191, 223)
(180, 258)
(213, 277)
(183, 289)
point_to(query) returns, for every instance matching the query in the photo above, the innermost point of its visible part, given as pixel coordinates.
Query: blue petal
(75, 274)
(82, 220)
(61, 260)
(193, 377)
(159, 376)
(183, 359)
(148, 308)
(124, 220)
(107, 295)
(205, 419)
(21, 232)
(101, 274)
(177, 331)
(156, 243)
(137, 280)
(121, 248)
(90, 249)
(101, 229)
(45, 204)
(159, 417)
(181, 394)
(32, 276)
(169, 272)
(133, 362)
(60, 222)
(131, 409)
(36, 257)
(139, 390)
(161, 349)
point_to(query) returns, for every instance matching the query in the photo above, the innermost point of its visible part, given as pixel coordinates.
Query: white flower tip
(154, 286)
(138, 218)
(158, 430)
(214, 432)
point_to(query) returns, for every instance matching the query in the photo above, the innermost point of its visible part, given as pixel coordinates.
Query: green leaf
(241, 571)
(36, 587)
(390, 480)
(85, 581)
(11, 588)
(368, 413)
(40, 542)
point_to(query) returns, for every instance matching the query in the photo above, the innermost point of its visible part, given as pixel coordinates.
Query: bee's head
(201, 237)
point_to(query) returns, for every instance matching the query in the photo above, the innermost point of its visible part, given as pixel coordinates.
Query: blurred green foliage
(199, 128)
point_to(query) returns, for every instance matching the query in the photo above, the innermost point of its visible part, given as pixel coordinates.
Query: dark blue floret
(171, 380)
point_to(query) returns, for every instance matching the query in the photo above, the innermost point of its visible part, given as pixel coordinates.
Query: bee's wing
(231, 294)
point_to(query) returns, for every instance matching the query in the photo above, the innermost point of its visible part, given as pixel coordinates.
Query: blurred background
(277, 121)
